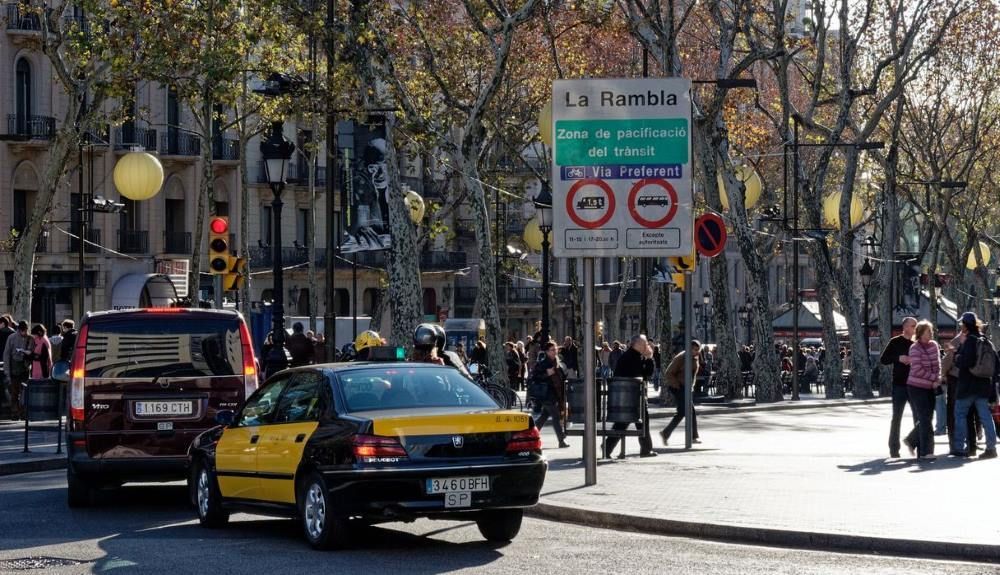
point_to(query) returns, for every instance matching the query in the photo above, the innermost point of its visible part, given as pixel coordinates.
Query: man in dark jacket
(301, 349)
(570, 355)
(68, 341)
(897, 354)
(551, 372)
(636, 361)
(974, 391)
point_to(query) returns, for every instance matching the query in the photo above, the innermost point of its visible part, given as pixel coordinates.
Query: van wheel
(501, 525)
(323, 529)
(79, 493)
(208, 498)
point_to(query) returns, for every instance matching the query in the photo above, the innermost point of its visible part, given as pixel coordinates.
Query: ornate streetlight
(276, 151)
(543, 206)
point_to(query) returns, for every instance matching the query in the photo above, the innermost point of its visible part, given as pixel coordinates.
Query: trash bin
(42, 399)
(624, 399)
(576, 397)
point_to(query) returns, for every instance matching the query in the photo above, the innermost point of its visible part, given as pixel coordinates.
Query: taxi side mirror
(225, 417)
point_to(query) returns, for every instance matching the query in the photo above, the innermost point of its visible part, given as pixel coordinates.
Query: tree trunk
(727, 360)
(206, 195)
(403, 266)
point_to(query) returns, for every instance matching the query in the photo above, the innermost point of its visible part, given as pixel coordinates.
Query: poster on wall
(366, 188)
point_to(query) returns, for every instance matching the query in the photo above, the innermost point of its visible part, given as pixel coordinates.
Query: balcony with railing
(98, 139)
(631, 295)
(442, 260)
(38, 129)
(128, 136)
(22, 22)
(177, 242)
(225, 149)
(180, 144)
(133, 241)
(296, 173)
(90, 246)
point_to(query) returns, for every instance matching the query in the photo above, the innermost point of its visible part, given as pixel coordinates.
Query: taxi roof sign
(387, 353)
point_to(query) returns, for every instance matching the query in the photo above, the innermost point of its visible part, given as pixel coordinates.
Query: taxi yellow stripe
(451, 424)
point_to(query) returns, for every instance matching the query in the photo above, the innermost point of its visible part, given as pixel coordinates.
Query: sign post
(621, 185)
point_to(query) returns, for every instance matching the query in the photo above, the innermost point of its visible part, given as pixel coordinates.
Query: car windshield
(408, 387)
(174, 346)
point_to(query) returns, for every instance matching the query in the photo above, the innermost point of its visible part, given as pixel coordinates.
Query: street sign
(710, 234)
(621, 168)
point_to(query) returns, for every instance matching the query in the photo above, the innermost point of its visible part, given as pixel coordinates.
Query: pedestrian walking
(896, 354)
(522, 355)
(479, 354)
(513, 363)
(547, 389)
(615, 355)
(636, 361)
(604, 359)
(15, 365)
(299, 346)
(6, 330)
(39, 353)
(924, 377)
(69, 334)
(978, 366)
(674, 378)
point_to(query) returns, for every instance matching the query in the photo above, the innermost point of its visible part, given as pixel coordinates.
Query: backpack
(986, 359)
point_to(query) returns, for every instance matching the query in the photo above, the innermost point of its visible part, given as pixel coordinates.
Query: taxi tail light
(367, 446)
(527, 440)
(79, 370)
(249, 363)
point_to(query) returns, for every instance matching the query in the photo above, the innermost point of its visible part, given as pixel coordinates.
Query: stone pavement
(42, 446)
(822, 472)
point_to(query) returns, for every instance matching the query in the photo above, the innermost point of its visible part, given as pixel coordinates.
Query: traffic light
(219, 258)
(235, 279)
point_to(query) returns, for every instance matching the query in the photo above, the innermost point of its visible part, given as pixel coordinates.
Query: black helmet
(424, 336)
(440, 335)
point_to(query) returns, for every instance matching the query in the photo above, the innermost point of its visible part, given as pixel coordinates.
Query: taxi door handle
(254, 438)
(300, 438)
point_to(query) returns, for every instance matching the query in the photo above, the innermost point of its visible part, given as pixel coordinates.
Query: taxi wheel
(208, 499)
(500, 525)
(323, 529)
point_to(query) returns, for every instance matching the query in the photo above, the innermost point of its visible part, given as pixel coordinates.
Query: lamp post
(996, 298)
(276, 151)
(867, 271)
(543, 206)
(706, 298)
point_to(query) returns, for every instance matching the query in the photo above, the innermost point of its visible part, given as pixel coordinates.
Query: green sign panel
(617, 142)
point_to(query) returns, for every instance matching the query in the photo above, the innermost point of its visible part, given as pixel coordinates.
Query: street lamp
(867, 271)
(276, 151)
(543, 206)
(706, 298)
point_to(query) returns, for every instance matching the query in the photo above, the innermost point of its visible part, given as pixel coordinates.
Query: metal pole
(867, 319)
(643, 262)
(354, 295)
(589, 373)
(330, 317)
(81, 214)
(688, 360)
(276, 359)
(545, 285)
(795, 267)
(217, 291)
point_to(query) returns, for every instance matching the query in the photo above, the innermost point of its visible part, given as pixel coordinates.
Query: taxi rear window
(410, 387)
(180, 347)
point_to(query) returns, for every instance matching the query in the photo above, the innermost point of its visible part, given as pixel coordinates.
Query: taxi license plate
(458, 484)
(154, 408)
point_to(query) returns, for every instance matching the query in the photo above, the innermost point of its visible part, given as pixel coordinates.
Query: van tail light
(249, 362)
(527, 440)
(368, 447)
(79, 371)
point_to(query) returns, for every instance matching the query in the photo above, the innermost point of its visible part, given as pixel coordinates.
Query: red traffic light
(219, 225)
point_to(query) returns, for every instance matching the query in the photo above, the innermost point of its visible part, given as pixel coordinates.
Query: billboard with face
(366, 188)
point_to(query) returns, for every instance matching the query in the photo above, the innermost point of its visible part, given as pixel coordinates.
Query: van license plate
(165, 426)
(153, 408)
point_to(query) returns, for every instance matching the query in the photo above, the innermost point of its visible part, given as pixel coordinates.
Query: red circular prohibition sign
(633, 209)
(607, 192)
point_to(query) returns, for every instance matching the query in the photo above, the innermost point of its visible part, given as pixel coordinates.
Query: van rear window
(164, 346)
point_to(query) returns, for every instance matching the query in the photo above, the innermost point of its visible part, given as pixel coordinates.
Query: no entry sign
(709, 234)
(621, 169)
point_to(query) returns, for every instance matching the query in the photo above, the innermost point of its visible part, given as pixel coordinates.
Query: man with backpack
(978, 364)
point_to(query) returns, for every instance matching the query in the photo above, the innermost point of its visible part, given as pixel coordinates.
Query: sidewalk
(811, 478)
(42, 445)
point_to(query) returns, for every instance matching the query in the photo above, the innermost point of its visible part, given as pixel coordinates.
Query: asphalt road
(149, 529)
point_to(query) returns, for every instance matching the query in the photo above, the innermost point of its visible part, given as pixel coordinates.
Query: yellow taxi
(370, 442)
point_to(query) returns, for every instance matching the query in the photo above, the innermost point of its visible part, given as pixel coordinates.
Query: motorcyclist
(449, 357)
(364, 342)
(425, 344)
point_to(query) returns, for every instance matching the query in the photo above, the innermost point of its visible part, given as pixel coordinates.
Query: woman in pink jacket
(925, 375)
(41, 353)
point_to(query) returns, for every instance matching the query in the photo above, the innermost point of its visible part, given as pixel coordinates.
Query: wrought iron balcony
(22, 20)
(177, 242)
(133, 241)
(177, 143)
(127, 136)
(93, 237)
(442, 260)
(225, 149)
(20, 127)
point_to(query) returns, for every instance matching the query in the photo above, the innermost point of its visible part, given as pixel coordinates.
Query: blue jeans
(962, 406)
(940, 414)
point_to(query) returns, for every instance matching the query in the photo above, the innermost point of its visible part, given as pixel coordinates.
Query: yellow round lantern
(831, 210)
(984, 250)
(545, 123)
(415, 203)
(750, 179)
(138, 176)
(533, 235)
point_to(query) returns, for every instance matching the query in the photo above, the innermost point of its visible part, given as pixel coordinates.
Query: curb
(766, 536)
(709, 409)
(33, 465)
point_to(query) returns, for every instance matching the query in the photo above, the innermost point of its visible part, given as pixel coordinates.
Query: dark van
(144, 383)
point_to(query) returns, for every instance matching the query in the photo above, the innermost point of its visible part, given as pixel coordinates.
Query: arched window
(23, 99)
(369, 301)
(430, 301)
